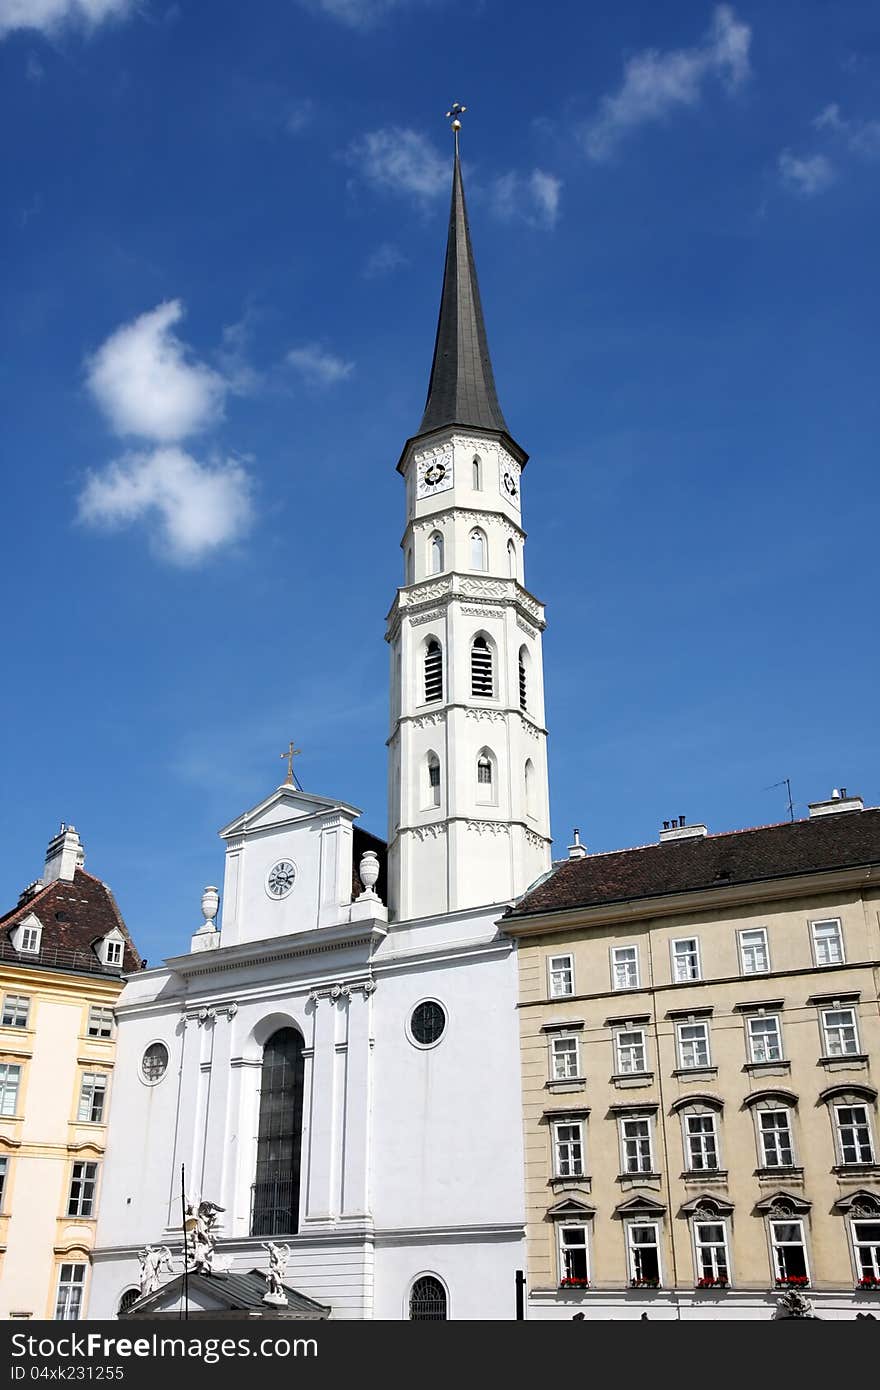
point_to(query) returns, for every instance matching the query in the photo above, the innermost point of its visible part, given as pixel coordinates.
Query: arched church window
(408, 568)
(433, 780)
(485, 777)
(478, 473)
(433, 671)
(511, 559)
(435, 553)
(523, 678)
(481, 668)
(427, 1300)
(275, 1193)
(479, 550)
(530, 787)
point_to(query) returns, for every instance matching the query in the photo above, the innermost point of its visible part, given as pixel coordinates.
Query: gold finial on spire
(456, 110)
(290, 755)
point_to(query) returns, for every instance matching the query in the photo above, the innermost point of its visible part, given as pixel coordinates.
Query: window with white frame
(10, 1080)
(29, 939)
(789, 1248)
(624, 967)
(866, 1248)
(564, 1059)
(574, 1259)
(68, 1302)
(479, 550)
(113, 951)
(4, 1169)
(100, 1024)
(700, 1141)
(840, 1033)
(435, 554)
(765, 1038)
(477, 468)
(433, 790)
(486, 793)
(433, 671)
(636, 1150)
(685, 959)
(81, 1198)
(568, 1148)
(16, 1008)
(643, 1252)
(827, 942)
(854, 1140)
(92, 1095)
(632, 1052)
(754, 951)
(710, 1252)
(561, 970)
(774, 1131)
(693, 1045)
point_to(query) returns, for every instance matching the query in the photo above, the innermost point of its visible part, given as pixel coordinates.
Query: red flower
(868, 1281)
(573, 1283)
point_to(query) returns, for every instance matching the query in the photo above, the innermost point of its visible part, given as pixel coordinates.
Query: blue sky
(222, 239)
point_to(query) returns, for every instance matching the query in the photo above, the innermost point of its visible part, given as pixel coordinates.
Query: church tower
(469, 820)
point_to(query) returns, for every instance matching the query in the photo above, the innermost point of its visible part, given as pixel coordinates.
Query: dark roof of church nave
(846, 839)
(236, 1290)
(74, 915)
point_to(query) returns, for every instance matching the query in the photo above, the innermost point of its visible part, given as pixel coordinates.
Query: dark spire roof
(462, 387)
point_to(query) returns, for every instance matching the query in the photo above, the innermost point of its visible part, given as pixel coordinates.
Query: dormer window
(29, 938)
(113, 949)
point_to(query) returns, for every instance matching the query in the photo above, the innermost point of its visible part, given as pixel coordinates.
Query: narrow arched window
(523, 678)
(408, 568)
(435, 554)
(478, 473)
(481, 668)
(530, 787)
(427, 1300)
(485, 777)
(479, 550)
(433, 671)
(433, 780)
(511, 559)
(275, 1193)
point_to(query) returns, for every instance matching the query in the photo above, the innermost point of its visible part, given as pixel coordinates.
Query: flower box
(793, 1281)
(644, 1283)
(868, 1281)
(573, 1283)
(709, 1283)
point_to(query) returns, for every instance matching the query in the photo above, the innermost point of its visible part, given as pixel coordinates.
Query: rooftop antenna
(786, 782)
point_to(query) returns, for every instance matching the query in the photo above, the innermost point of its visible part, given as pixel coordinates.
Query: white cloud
(145, 383)
(862, 137)
(317, 366)
(191, 508)
(299, 116)
(806, 174)
(386, 258)
(656, 83)
(50, 15)
(358, 14)
(402, 160)
(532, 198)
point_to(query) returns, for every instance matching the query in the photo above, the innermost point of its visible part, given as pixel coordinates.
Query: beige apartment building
(63, 951)
(700, 1043)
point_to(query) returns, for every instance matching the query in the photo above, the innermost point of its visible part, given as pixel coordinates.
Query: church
(336, 1064)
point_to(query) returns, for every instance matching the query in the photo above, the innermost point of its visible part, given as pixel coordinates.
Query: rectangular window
(16, 1008)
(693, 1045)
(789, 1252)
(114, 952)
(91, 1098)
(854, 1133)
(635, 1145)
(561, 976)
(10, 1079)
(710, 1247)
(625, 967)
(568, 1145)
(100, 1022)
(71, 1281)
(565, 1059)
(632, 1053)
(765, 1039)
(643, 1248)
(840, 1032)
(30, 939)
(574, 1264)
(685, 959)
(701, 1143)
(83, 1179)
(754, 951)
(866, 1245)
(4, 1169)
(828, 942)
(776, 1147)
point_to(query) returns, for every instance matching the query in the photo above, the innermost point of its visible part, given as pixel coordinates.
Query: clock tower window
(479, 550)
(478, 473)
(523, 678)
(435, 553)
(511, 559)
(482, 681)
(433, 671)
(486, 777)
(433, 780)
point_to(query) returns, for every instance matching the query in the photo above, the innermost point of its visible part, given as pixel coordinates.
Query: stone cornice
(308, 943)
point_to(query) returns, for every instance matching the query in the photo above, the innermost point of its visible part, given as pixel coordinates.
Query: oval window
(427, 1023)
(155, 1062)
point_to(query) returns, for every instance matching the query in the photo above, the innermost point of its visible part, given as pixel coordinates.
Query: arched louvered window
(433, 780)
(485, 776)
(478, 473)
(479, 550)
(427, 1300)
(523, 678)
(481, 668)
(275, 1205)
(530, 787)
(435, 553)
(433, 671)
(129, 1298)
(511, 559)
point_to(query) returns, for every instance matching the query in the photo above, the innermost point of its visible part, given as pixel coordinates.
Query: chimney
(576, 850)
(64, 855)
(677, 830)
(837, 802)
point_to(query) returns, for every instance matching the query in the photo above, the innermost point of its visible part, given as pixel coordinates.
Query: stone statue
(793, 1304)
(199, 1221)
(278, 1258)
(153, 1261)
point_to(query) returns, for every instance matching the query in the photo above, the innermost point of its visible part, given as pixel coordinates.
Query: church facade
(336, 1066)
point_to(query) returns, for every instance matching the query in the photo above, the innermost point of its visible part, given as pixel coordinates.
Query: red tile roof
(74, 916)
(841, 840)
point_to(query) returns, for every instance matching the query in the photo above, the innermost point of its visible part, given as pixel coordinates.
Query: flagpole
(183, 1228)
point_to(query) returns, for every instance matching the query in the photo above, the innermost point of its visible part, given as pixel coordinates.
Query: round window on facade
(428, 1023)
(154, 1062)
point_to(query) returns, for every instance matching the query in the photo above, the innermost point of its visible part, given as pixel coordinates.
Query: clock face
(435, 474)
(281, 878)
(510, 485)
(508, 477)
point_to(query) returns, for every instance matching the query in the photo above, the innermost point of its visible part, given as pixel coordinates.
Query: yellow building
(63, 950)
(700, 1041)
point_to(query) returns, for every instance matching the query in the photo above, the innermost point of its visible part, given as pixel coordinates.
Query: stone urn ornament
(368, 870)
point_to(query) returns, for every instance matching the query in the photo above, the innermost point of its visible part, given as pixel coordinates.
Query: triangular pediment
(640, 1205)
(233, 1292)
(286, 804)
(570, 1209)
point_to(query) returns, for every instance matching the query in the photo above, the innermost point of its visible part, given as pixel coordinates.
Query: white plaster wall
(478, 1275)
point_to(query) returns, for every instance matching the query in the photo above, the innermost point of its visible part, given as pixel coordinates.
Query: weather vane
(290, 755)
(456, 110)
